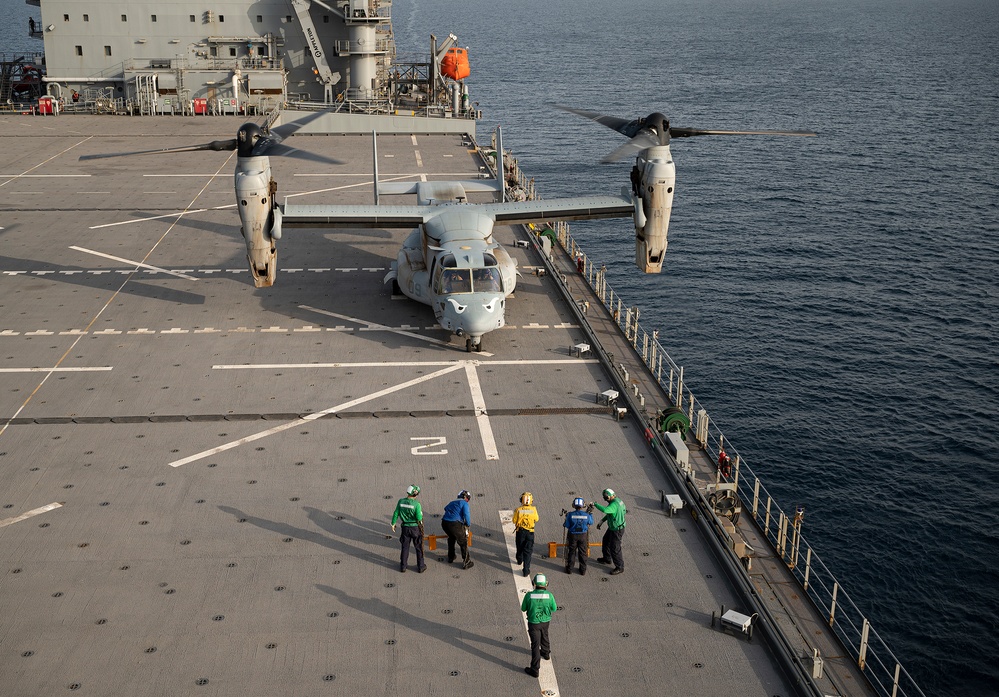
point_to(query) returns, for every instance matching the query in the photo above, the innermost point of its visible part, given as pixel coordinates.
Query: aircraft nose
(474, 317)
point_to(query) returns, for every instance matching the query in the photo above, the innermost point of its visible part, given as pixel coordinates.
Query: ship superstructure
(234, 58)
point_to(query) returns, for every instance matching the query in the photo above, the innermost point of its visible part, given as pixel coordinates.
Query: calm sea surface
(833, 300)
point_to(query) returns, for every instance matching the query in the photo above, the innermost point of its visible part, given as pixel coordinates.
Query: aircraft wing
(576, 208)
(372, 216)
(509, 213)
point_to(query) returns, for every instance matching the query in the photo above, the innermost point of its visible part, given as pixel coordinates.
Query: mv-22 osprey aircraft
(450, 260)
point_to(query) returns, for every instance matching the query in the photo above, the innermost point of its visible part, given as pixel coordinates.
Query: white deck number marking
(422, 449)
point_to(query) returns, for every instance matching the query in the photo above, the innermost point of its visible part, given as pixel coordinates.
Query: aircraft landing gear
(473, 346)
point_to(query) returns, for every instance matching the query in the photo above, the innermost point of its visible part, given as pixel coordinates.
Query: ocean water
(833, 300)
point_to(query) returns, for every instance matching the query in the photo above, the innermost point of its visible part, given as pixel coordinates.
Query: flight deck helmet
(578, 503)
(540, 581)
(609, 495)
(464, 494)
(527, 498)
(413, 490)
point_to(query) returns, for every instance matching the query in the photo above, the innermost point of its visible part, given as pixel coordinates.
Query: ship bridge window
(152, 17)
(232, 50)
(124, 18)
(192, 18)
(79, 50)
(260, 18)
(86, 18)
(65, 18)
(221, 18)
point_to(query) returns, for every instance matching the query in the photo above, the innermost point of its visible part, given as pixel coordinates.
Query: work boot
(546, 656)
(582, 571)
(530, 671)
(527, 572)
(603, 560)
(617, 571)
(402, 569)
(468, 564)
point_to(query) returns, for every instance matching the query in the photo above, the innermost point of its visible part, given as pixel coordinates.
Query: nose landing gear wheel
(473, 346)
(468, 345)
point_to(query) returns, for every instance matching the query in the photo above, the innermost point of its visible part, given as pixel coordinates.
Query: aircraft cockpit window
(487, 280)
(456, 281)
(489, 260)
(448, 262)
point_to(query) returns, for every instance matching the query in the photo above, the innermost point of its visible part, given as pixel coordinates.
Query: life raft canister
(455, 64)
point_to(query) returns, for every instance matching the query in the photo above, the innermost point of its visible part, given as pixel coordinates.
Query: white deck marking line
(177, 215)
(114, 295)
(549, 683)
(470, 175)
(54, 370)
(312, 417)
(413, 138)
(419, 159)
(40, 176)
(481, 417)
(137, 264)
(217, 174)
(382, 327)
(26, 172)
(346, 186)
(395, 364)
(153, 217)
(24, 516)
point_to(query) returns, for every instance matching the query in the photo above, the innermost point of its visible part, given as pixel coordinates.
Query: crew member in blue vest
(577, 539)
(456, 521)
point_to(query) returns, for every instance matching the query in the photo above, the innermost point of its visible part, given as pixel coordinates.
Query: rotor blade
(286, 129)
(642, 141)
(626, 126)
(288, 151)
(687, 132)
(217, 145)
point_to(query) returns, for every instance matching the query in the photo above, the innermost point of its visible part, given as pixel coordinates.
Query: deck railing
(782, 530)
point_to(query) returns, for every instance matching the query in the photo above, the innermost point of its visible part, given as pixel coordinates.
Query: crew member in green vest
(614, 517)
(539, 604)
(409, 511)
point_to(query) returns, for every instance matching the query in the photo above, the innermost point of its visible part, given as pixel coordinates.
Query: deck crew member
(614, 517)
(724, 464)
(577, 539)
(410, 513)
(524, 519)
(539, 605)
(456, 521)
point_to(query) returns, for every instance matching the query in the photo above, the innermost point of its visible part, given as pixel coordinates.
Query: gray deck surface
(266, 568)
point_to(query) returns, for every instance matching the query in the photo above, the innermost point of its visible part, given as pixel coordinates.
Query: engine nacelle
(652, 181)
(259, 216)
